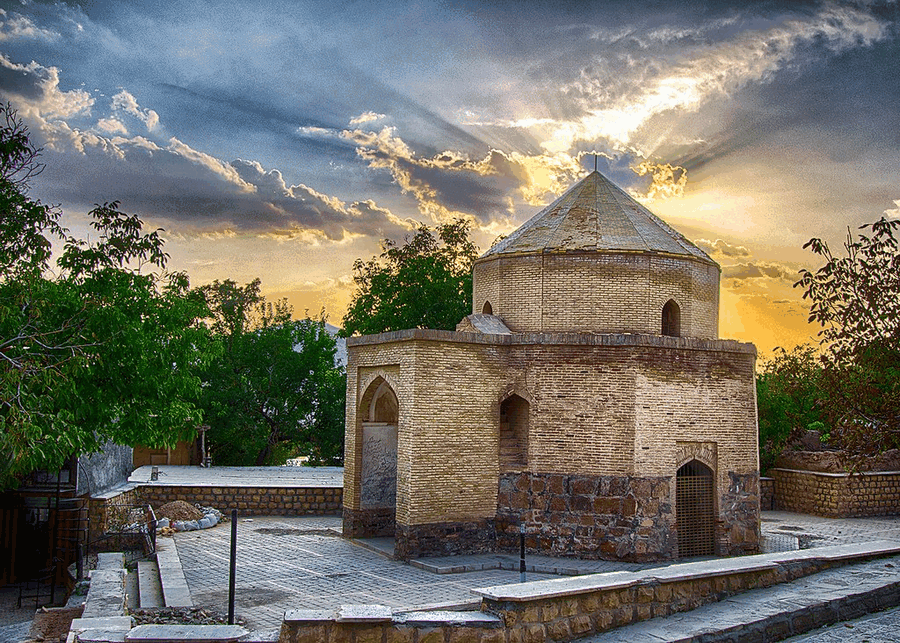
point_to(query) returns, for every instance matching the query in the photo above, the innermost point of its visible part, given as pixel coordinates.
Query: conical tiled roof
(596, 215)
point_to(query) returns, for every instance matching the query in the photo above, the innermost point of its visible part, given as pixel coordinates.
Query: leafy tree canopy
(856, 300)
(787, 399)
(104, 349)
(275, 391)
(424, 283)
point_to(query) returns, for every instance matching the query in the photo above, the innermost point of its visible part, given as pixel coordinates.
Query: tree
(275, 391)
(856, 300)
(103, 350)
(787, 400)
(424, 283)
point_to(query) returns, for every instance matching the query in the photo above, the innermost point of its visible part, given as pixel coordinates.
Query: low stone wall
(249, 501)
(252, 501)
(102, 505)
(568, 608)
(767, 494)
(837, 495)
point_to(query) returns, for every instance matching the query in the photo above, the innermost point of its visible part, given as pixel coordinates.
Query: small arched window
(487, 309)
(671, 319)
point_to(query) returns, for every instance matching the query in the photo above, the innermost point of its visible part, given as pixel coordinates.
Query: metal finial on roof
(595, 162)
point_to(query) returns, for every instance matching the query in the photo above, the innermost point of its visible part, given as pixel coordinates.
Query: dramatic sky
(282, 140)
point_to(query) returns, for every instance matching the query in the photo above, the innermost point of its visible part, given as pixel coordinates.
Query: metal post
(522, 553)
(234, 516)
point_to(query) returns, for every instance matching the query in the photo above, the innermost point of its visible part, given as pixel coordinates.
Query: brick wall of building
(598, 292)
(837, 495)
(594, 400)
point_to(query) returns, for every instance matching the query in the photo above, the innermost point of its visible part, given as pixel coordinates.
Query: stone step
(132, 591)
(149, 586)
(775, 613)
(171, 575)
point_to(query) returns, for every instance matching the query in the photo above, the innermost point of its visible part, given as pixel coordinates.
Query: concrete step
(778, 612)
(150, 588)
(171, 575)
(132, 596)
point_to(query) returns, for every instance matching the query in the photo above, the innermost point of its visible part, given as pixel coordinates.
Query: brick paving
(290, 563)
(302, 562)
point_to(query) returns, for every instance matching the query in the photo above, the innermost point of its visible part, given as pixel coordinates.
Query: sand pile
(179, 510)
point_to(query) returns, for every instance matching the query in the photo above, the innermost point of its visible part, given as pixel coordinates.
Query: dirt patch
(181, 616)
(179, 510)
(837, 461)
(53, 623)
(278, 531)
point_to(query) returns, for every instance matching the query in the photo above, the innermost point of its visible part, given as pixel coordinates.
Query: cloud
(111, 126)
(366, 117)
(14, 26)
(744, 271)
(124, 101)
(36, 91)
(452, 184)
(894, 212)
(170, 180)
(667, 181)
(722, 248)
(637, 76)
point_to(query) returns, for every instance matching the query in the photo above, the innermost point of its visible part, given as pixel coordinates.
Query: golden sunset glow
(325, 131)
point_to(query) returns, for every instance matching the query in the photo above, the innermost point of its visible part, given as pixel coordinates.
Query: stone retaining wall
(837, 495)
(252, 501)
(249, 501)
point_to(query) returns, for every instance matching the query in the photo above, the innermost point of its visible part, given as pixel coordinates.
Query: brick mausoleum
(588, 396)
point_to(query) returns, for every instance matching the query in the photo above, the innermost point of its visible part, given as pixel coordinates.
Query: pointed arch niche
(514, 418)
(671, 319)
(379, 411)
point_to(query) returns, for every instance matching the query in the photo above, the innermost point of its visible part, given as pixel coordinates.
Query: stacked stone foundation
(368, 523)
(445, 539)
(608, 517)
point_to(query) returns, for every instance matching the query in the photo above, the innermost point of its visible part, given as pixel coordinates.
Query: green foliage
(424, 283)
(787, 399)
(274, 392)
(856, 300)
(105, 349)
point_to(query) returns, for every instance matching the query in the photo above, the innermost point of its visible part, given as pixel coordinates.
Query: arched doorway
(380, 412)
(514, 412)
(695, 510)
(671, 319)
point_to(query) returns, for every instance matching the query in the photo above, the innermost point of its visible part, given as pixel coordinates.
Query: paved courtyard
(286, 563)
(302, 562)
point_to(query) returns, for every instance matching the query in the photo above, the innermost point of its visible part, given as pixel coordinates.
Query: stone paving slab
(275, 477)
(107, 594)
(185, 633)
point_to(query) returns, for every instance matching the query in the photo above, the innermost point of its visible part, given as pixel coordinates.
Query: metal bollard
(234, 517)
(522, 553)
